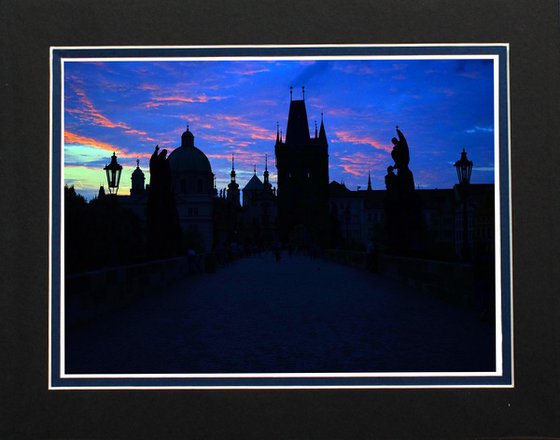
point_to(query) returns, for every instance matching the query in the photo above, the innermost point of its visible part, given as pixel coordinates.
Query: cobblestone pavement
(298, 315)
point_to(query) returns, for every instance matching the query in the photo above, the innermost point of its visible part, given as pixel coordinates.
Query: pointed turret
(297, 132)
(232, 174)
(322, 132)
(267, 185)
(233, 187)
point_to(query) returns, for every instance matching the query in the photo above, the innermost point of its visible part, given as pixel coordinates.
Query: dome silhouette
(188, 158)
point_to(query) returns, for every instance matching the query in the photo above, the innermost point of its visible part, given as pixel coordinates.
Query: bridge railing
(454, 281)
(88, 295)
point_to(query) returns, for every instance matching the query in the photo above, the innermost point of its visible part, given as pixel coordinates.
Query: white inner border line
(498, 327)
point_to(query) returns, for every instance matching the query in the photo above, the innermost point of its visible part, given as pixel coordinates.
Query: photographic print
(280, 217)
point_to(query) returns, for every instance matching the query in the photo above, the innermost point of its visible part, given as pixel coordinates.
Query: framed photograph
(320, 216)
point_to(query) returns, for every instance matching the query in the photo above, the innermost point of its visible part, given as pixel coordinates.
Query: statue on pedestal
(401, 204)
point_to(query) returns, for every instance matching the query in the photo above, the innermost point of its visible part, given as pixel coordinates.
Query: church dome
(188, 158)
(138, 173)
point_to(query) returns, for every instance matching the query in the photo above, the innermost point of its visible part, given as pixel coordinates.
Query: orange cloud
(72, 138)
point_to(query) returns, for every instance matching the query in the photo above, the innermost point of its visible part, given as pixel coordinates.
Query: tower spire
(277, 132)
(232, 174)
(315, 129)
(369, 181)
(322, 132)
(267, 185)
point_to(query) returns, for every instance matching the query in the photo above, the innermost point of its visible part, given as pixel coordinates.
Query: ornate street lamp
(113, 171)
(464, 169)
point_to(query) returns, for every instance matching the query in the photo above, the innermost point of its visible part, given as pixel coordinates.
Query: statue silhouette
(401, 156)
(391, 180)
(164, 230)
(402, 206)
(400, 153)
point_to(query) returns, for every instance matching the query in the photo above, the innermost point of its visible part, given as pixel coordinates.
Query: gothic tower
(302, 162)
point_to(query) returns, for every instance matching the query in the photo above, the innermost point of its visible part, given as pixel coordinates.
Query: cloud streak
(352, 138)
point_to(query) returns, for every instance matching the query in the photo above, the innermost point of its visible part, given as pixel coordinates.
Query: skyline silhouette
(234, 107)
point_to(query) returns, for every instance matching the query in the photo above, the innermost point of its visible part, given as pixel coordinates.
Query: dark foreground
(299, 315)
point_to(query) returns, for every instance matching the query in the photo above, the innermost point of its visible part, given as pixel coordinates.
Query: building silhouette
(358, 217)
(302, 164)
(305, 209)
(193, 188)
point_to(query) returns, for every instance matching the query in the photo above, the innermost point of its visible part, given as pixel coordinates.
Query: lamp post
(113, 172)
(464, 169)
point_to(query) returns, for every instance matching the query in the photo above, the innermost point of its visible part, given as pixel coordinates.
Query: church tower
(233, 187)
(302, 162)
(138, 179)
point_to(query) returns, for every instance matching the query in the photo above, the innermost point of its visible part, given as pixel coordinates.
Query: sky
(127, 107)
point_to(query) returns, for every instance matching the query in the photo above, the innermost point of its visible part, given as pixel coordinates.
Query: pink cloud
(149, 87)
(245, 160)
(255, 132)
(89, 113)
(471, 75)
(158, 101)
(359, 164)
(350, 137)
(248, 71)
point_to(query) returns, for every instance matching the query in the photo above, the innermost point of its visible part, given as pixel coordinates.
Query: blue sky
(128, 107)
